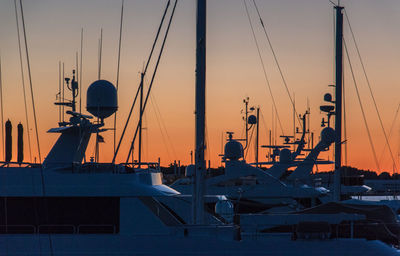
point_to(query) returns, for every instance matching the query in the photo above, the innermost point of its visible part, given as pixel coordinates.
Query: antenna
(77, 74)
(63, 91)
(80, 74)
(59, 91)
(140, 118)
(338, 100)
(294, 118)
(23, 81)
(30, 81)
(118, 66)
(100, 51)
(257, 135)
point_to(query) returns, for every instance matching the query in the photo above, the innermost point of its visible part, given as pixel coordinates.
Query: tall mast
(140, 119)
(198, 200)
(338, 100)
(257, 135)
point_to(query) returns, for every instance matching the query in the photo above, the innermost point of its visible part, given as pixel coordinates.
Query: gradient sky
(301, 33)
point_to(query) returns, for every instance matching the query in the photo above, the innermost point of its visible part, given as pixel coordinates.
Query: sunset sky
(302, 36)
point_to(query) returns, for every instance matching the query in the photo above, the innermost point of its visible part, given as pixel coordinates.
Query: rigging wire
(250, 140)
(118, 68)
(263, 66)
(154, 74)
(23, 82)
(59, 91)
(30, 81)
(266, 129)
(344, 120)
(63, 91)
(390, 132)
(34, 110)
(277, 62)
(370, 90)
(207, 144)
(163, 126)
(144, 73)
(163, 136)
(361, 107)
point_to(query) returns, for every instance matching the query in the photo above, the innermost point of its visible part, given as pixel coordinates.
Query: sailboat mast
(198, 200)
(338, 100)
(257, 135)
(140, 119)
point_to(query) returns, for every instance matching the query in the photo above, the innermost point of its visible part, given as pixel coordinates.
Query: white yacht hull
(174, 245)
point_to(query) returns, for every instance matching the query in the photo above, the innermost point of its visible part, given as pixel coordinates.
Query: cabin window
(59, 215)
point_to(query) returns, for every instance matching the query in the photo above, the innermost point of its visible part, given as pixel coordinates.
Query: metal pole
(198, 200)
(257, 135)
(338, 100)
(140, 119)
(246, 102)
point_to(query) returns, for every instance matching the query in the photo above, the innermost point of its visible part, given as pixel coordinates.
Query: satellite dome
(233, 150)
(285, 155)
(102, 99)
(328, 97)
(252, 119)
(328, 135)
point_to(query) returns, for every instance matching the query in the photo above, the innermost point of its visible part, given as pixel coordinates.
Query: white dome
(102, 100)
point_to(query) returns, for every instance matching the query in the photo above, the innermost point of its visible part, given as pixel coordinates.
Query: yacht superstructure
(66, 207)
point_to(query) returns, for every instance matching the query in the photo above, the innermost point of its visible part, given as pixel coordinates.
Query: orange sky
(301, 34)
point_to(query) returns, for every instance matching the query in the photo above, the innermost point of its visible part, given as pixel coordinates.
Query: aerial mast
(338, 100)
(198, 200)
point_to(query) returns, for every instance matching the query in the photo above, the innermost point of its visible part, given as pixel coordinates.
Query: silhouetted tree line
(368, 174)
(172, 172)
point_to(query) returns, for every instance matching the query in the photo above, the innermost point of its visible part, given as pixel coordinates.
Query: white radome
(102, 100)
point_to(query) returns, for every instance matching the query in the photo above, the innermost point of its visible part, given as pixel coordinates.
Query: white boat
(64, 207)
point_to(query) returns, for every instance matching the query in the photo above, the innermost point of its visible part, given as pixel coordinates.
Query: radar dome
(102, 99)
(252, 119)
(233, 150)
(328, 135)
(285, 155)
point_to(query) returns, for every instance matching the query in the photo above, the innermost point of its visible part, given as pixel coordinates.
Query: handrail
(7, 227)
(53, 228)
